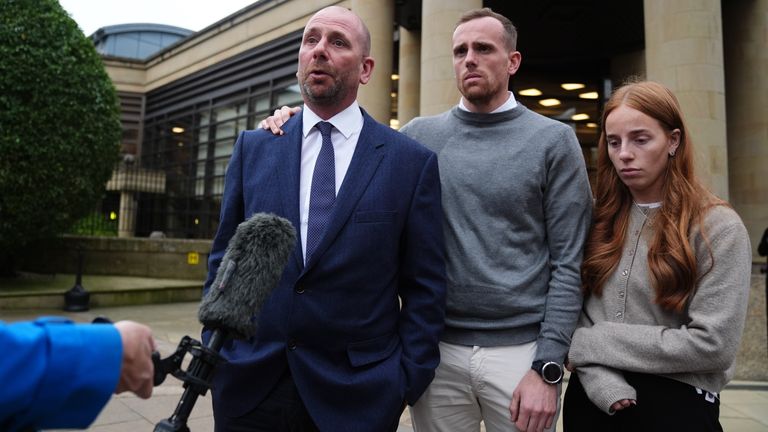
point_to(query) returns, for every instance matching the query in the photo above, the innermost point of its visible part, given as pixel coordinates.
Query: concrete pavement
(744, 405)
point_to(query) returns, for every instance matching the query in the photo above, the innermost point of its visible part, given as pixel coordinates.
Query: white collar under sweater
(506, 106)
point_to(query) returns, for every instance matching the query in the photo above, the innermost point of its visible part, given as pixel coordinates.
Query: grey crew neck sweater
(517, 207)
(624, 328)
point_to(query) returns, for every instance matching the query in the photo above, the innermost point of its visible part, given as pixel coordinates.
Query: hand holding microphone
(136, 369)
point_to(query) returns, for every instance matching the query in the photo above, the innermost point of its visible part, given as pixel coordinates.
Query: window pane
(290, 96)
(260, 103)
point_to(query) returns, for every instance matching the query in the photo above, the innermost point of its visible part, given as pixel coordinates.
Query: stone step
(47, 291)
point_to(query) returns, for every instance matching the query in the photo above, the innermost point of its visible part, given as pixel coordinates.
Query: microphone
(251, 268)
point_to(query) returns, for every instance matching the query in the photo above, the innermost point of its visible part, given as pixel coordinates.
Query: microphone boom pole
(196, 379)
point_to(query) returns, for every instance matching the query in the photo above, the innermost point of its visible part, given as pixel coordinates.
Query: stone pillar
(409, 71)
(438, 84)
(126, 222)
(379, 16)
(745, 31)
(684, 51)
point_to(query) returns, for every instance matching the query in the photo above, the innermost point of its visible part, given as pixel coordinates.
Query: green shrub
(94, 224)
(59, 123)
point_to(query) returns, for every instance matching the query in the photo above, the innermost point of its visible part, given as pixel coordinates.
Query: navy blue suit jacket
(359, 325)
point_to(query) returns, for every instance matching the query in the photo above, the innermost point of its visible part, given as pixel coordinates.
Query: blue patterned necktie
(323, 192)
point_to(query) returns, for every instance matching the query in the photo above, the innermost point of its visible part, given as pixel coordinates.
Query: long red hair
(671, 260)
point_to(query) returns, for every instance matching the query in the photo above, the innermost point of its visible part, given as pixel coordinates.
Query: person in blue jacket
(57, 374)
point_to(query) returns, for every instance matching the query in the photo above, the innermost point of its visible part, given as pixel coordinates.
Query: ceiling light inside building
(572, 86)
(580, 116)
(530, 92)
(549, 102)
(589, 95)
(177, 129)
(591, 125)
(395, 77)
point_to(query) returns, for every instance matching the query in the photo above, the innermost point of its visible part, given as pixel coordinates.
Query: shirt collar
(506, 106)
(346, 122)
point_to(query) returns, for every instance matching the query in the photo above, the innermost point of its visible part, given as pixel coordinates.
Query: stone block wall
(144, 257)
(752, 359)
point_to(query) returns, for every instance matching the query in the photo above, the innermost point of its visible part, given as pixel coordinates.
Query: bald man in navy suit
(350, 335)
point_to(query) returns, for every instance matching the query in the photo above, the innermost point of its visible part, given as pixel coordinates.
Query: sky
(194, 15)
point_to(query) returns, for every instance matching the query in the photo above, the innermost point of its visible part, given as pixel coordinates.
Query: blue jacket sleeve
(56, 374)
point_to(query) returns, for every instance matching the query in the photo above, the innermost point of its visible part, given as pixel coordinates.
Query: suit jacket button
(292, 344)
(300, 289)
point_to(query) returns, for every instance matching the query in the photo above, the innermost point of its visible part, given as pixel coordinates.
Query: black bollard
(77, 299)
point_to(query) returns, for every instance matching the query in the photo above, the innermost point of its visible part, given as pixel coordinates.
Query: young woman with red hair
(666, 276)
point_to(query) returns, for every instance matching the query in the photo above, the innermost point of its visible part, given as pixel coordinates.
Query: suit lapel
(289, 174)
(367, 156)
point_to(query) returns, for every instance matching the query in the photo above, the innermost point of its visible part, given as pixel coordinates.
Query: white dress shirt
(344, 135)
(506, 106)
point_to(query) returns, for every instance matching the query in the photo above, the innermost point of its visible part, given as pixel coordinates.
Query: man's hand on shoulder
(281, 115)
(534, 403)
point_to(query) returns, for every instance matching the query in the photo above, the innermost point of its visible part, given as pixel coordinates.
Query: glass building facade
(184, 105)
(136, 41)
(190, 128)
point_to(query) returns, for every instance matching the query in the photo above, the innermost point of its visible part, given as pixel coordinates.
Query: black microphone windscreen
(251, 268)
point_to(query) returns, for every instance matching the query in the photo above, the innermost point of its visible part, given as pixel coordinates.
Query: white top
(344, 135)
(647, 206)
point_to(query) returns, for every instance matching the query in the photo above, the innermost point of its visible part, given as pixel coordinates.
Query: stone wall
(153, 258)
(752, 360)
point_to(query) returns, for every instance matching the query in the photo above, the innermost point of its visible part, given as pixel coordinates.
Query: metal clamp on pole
(197, 377)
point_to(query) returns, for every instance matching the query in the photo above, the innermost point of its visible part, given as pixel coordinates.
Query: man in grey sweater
(517, 208)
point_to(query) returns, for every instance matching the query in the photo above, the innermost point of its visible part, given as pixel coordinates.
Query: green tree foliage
(59, 123)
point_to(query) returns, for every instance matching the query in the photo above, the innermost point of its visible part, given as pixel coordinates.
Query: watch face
(552, 372)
